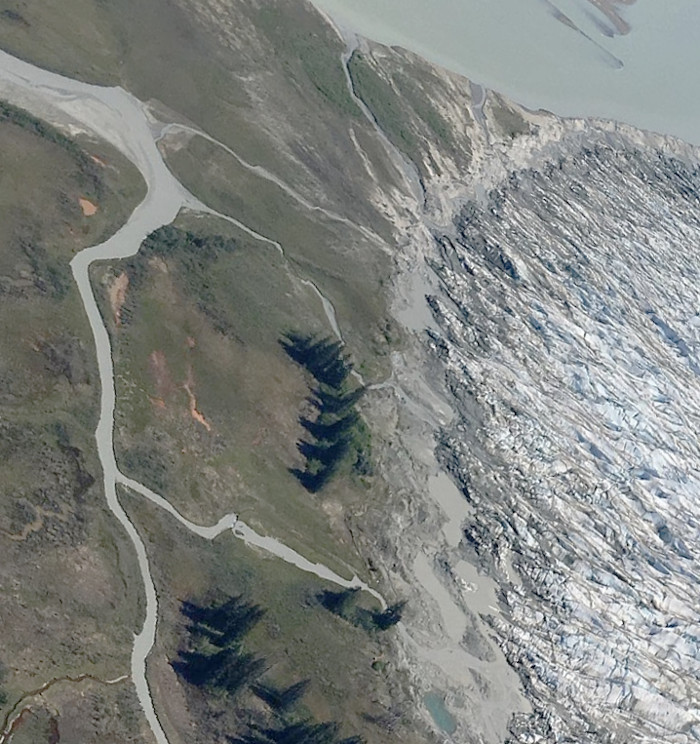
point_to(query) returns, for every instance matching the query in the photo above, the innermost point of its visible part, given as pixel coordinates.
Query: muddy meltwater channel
(117, 117)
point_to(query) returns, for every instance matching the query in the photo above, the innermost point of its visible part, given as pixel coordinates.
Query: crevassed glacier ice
(569, 326)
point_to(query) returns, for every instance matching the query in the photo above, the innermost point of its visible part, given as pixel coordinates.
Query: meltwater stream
(117, 117)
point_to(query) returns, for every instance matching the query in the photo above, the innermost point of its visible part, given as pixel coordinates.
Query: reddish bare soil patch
(158, 365)
(188, 387)
(166, 386)
(117, 296)
(87, 206)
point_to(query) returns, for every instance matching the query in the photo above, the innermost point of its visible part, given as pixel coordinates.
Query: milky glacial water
(435, 704)
(565, 56)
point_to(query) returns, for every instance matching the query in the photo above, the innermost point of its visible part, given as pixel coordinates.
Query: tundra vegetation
(399, 91)
(207, 399)
(214, 658)
(301, 664)
(70, 580)
(197, 336)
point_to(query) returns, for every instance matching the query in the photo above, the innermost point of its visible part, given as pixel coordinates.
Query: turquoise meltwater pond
(435, 703)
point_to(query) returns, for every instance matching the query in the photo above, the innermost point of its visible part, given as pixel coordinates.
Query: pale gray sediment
(328, 308)
(446, 642)
(478, 96)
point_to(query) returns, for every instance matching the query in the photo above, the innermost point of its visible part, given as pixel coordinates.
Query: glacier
(567, 328)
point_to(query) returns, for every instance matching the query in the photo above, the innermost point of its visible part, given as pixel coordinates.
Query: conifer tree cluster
(215, 661)
(305, 732)
(338, 438)
(344, 604)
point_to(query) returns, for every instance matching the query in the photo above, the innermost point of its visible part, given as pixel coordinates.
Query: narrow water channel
(117, 117)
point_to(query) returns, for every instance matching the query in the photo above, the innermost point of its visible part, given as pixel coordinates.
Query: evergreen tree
(390, 616)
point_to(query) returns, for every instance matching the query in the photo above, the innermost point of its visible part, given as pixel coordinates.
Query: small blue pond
(435, 703)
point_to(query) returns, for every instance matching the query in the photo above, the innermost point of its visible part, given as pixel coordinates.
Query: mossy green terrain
(211, 412)
(410, 105)
(209, 403)
(350, 268)
(310, 49)
(70, 584)
(297, 638)
(265, 78)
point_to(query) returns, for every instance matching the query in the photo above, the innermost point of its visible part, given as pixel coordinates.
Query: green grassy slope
(410, 104)
(263, 77)
(66, 565)
(348, 267)
(208, 416)
(203, 328)
(352, 677)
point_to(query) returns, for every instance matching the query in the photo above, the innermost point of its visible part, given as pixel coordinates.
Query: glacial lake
(636, 61)
(435, 703)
